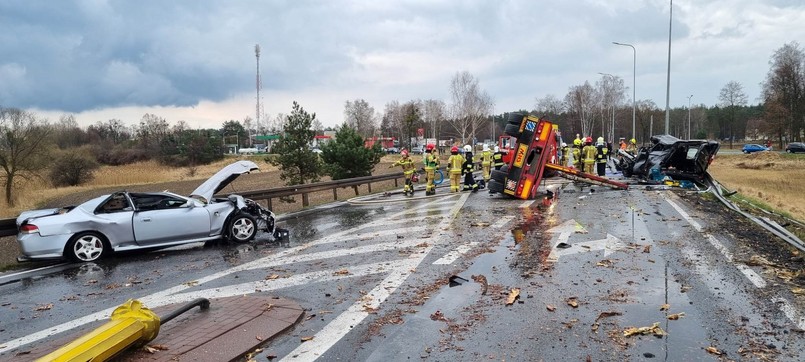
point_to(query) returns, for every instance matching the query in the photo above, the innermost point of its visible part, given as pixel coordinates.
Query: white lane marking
(275, 284)
(790, 312)
(750, 274)
(526, 203)
(4, 276)
(450, 257)
(355, 314)
(502, 222)
(104, 314)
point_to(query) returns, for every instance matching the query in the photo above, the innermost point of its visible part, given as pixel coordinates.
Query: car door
(173, 219)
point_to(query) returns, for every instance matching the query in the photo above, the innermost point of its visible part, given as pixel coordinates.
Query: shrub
(72, 169)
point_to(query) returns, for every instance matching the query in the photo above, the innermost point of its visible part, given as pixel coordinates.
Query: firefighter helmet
(633, 141)
(589, 140)
(564, 144)
(486, 147)
(429, 147)
(600, 140)
(577, 142)
(497, 149)
(454, 150)
(404, 153)
(467, 148)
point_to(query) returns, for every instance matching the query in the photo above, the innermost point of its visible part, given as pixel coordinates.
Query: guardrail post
(335, 194)
(305, 202)
(369, 185)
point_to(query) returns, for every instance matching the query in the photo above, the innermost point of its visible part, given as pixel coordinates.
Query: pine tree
(347, 157)
(297, 162)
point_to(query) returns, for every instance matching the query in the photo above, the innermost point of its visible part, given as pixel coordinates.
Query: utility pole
(258, 84)
(691, 96)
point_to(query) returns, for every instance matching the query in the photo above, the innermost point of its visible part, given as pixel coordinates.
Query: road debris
(456, 280)
(550, 308)
(676, 316)
(307, 338)
(573, 302)
(665, 307)
(191, 283)
(481, 279)
(438, 316)
(272, 277)
(513, 295)
(653, 329)
(43, 307)
(601, 315)
(154, 348)
(713, 350)
(341, 272)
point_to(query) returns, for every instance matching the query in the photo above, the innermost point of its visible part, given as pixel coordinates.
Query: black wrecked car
(671, 156)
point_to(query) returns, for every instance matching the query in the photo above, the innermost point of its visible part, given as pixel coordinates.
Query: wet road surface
(374, 279)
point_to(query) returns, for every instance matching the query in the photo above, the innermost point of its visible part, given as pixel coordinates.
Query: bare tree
(581, 101)
(784, 93)
(731, 97)
(549, 106)
(360, 116)
(433, 113)
(612, 93)
(392, 121)
(24, 147)
(471, 106)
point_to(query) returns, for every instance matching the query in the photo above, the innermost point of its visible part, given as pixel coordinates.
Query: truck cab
(532, 144)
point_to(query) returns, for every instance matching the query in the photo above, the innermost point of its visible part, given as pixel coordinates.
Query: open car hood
(679, 159)
(221, 179)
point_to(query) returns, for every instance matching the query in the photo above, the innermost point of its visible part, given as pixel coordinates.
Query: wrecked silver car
(671, 157)
(143, 220)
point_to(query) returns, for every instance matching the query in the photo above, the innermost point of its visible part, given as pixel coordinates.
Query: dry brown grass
(34, 193)
(776, 179)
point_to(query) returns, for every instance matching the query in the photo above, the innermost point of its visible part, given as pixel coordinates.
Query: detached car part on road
(144, 220)
(673, 157)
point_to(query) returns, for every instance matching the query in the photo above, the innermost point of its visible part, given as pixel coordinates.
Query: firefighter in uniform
(467, 169)
(601, 156)
(454, 166)
(497, 158)
(588, 152)
(408, 170)
(486, 163)
(431, 164)
(577, 154)
(632, 147)
(565, 154)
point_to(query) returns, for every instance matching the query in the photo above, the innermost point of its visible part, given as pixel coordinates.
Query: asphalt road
(375, 281)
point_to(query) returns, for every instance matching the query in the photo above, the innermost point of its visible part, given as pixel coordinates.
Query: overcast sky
(194, 60)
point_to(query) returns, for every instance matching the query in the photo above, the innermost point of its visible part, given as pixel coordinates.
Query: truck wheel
(498, 175)
(515, 119)
(495, 186)
(512, 130)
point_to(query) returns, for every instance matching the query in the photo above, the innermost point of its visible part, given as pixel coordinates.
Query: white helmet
(497, 149)
(486, 147)
(600, 140)
(467, 148)
(564, 144)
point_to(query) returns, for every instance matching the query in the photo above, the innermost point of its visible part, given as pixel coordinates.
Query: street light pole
(691, 96)
(634, 82)
(668, 77)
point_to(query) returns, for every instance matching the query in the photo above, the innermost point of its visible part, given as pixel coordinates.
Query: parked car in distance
(751, 147)
(144, 220)
(392, 150)
(417, 150)
(795, 147)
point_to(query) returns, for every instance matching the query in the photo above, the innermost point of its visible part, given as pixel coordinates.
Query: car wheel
(788, 151)
(746, 152)
(243, 228)
(87, 246)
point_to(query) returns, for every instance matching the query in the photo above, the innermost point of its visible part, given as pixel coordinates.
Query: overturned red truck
(533, 147)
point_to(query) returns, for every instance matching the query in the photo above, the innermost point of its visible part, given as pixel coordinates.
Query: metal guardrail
(8, 227)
